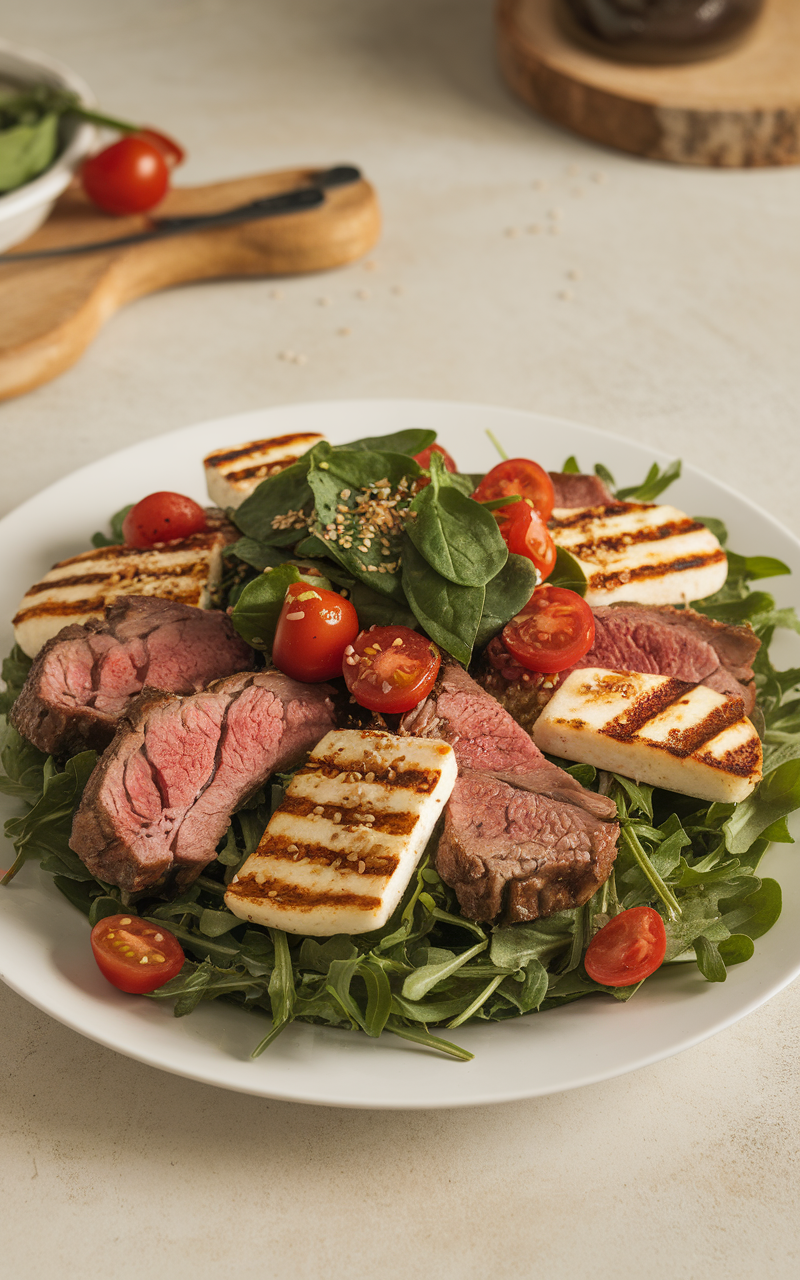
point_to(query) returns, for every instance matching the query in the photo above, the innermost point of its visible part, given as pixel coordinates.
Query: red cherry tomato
(135, 955)
(627, 949)
(526, 534)
(518, 475)
(314, 629)
(424, 458)
(130, 176)
(552, 632)
(162, 517)
(172, 151)
(391, 668)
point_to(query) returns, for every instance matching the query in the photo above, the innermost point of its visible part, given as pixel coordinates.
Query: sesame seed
(143, 960)
(273, 893)
(362, 866)
(295, 617)
(126, 920)
(292, 848)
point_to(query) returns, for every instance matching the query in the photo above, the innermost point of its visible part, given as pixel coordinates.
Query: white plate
(44, 951)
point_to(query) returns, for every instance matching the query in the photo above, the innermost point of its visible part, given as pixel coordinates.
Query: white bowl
(25, 209)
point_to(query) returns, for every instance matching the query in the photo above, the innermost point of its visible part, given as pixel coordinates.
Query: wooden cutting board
(736, 111)
(51, 309)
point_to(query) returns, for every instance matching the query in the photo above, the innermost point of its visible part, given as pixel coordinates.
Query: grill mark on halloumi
(640, 573)
(261, 470)
(255, 447)
(392, 776)
(742, 761)
(351, 816)
(279, 892)
(340, 848)
(621, 541)
(583, 517)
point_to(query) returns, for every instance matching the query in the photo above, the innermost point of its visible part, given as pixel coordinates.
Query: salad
(693, 865)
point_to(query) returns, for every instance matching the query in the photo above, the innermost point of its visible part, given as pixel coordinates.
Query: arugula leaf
(654, 483)
(777, 795)
(715, 526)
(458, 537)
(46, 828)
(571, 467)
(23, 764)
(117, 538)
(15, 672)
(709, 960)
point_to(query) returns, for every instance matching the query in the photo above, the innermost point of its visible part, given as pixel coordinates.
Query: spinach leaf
(26, 150)
(567, 573)
(256, 612)
(360, 500)
(279, 510)
(411, 441)
(506, 593)
(257, 554)
(459, 538)
(450, 614)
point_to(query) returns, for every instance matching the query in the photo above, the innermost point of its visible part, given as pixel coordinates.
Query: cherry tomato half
(518, 475)
(162, 517)
(526, 534)
(135, 955)
(627, 949)
(130, 176)
(314, 629)
(552, 632)
(424, 458)
(171, 150)
(391, 668)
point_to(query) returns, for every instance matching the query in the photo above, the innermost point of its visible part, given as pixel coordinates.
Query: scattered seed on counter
(344, 332)
(362, 294)
(511, 232)
(573, 274)
(598, 177)
(539, 184)
(566, 295)
(370, 265)
(324, 301)
(533, 229)
(397, 290)
(276, 293)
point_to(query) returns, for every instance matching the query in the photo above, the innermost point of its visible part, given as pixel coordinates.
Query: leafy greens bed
(697, 864)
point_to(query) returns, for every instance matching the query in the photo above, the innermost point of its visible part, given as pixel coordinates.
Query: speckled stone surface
(519, 266)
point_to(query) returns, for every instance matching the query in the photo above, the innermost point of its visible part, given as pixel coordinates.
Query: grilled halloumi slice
(683, 737)
(340, 849)
(233, 474)
(78, 589)
(641, 551)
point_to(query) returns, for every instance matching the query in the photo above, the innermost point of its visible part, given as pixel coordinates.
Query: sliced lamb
(83, 679)
(162, 795)
(577, 490)
(513, 818)
(654, 639)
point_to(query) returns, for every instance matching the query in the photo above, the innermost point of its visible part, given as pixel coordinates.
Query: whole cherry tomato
(130, 176)
(424, 458)
(314, 629)
(162, 517)
(627, 949)
(518, 475)
(135, 955)
(391, 668)
(525, 533)
(552, 632)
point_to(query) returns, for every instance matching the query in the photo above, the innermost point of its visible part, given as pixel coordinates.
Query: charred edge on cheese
(392, 776)
(206, 540)
(261, 472)
(282, 894)
(255, 447)
(743, 761)
(623, 577)
(189, 569)
(621, 541)
(350, 817)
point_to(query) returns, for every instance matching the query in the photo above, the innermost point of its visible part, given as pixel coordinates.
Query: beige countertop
(518, 266)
